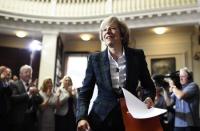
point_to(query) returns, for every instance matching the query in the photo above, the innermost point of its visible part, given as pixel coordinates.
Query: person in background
(118, 66)
(140, 92)
(35, 82)
(24, 100)
(5, 93)
(47, 108)
(160, 103)
(15, 78)
(65, 115)
(167, 119)
(9, 76)
(186, 101)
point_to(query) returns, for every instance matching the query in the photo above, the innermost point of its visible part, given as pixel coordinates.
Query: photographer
(186, 101)
(167, 119)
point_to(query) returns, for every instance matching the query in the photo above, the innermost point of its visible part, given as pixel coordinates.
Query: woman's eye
(109, 29)
(104, 29)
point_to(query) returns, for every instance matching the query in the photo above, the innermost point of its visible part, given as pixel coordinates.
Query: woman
(65, 118)
(47, 108)
(118, 66)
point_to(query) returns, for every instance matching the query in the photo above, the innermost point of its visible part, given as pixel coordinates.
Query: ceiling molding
(91, 24)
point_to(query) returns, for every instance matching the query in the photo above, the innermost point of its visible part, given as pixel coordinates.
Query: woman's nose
(109, 29)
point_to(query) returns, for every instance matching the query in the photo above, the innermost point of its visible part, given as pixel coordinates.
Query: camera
(163, 80)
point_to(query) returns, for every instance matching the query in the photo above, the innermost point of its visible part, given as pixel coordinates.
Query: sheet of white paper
(138, 109)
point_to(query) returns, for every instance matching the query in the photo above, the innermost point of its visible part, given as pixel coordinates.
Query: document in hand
(138, 109)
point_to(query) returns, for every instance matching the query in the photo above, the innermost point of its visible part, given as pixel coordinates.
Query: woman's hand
(49, 93)
(83, 125)
(149, 102)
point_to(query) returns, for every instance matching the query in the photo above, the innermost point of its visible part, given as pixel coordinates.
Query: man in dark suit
(25, 99)
(5, 93)
(112, 69)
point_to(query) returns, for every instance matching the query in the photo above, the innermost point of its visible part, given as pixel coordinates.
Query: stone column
(48, 56)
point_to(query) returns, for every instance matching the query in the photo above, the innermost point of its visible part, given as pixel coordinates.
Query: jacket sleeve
(86, 91)
(145, 78)
(18, 96)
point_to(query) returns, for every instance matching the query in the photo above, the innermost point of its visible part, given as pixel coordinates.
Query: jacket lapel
(130, 67)
(21, 86)
(104, 64)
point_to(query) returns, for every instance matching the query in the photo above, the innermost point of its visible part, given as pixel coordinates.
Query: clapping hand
(83, 125)
(149, 102)
(33, 90)
(49, 92)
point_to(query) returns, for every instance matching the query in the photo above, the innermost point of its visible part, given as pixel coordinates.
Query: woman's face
(111, 34)
(67, 82)
(49, 84)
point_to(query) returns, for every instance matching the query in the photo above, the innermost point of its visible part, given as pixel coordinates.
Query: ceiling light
(160, 30)
(35, 45)
(21, 34)
(86, 37)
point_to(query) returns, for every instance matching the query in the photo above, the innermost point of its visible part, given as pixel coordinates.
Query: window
(75, 66)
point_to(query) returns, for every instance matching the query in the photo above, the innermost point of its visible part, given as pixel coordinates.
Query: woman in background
(65, 115)
(47, 108)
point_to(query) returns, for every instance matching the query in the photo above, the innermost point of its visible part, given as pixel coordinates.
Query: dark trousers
(24, 127)
(4, 123)
(65, 123)
(28, 124)
(113, 122)
(186, 129)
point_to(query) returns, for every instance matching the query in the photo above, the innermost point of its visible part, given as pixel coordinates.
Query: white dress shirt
(118, 70)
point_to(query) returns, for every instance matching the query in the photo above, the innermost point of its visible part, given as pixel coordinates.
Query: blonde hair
(63, 79)
(124, 31)
(44, 84)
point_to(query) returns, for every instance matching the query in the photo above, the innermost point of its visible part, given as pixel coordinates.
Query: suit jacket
(5, 93)
(22, 104)
(98, 72)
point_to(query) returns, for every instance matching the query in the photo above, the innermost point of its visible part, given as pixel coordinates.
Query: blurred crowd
(26, 107)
